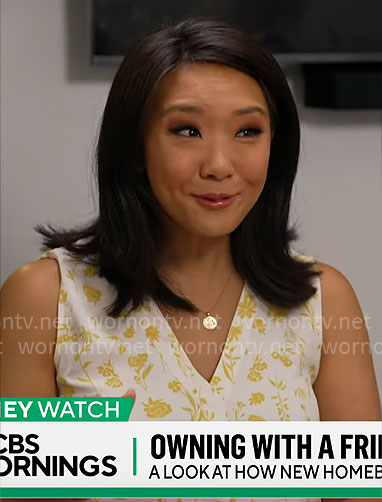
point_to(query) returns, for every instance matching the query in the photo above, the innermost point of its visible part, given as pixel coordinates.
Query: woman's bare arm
(28, 301)
(28, 311)
(346, 386)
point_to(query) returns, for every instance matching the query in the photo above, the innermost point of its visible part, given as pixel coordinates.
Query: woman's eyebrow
(199, 110)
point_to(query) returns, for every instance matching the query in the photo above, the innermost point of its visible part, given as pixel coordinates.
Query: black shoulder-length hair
(124, 238)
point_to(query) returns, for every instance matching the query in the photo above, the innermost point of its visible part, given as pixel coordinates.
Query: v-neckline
(219, 370)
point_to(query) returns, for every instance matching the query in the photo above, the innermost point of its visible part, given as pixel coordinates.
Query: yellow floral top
(268, 364)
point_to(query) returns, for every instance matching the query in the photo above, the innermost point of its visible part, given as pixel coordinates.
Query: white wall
(51, 104)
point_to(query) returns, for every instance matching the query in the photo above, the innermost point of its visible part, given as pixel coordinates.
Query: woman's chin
(213, 231)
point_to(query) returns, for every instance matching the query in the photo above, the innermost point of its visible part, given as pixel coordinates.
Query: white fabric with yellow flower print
(266, 371)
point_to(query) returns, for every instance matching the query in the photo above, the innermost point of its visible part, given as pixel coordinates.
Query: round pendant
(209, 322)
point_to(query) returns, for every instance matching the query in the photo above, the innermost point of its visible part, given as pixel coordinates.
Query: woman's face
(208, 132)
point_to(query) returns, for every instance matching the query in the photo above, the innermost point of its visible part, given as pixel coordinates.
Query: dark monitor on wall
(300, 31)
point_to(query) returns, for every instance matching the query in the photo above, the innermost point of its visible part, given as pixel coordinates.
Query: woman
(197, 156)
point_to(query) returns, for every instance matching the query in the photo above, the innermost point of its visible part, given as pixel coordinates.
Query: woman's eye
(252, 131)
(192, 130)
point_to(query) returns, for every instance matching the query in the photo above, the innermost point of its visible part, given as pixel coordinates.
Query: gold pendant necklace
(209, 321)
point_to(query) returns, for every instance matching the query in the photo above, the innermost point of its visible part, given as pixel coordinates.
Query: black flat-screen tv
(301, 31)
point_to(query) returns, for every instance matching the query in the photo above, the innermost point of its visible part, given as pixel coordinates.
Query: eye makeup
(253, 131)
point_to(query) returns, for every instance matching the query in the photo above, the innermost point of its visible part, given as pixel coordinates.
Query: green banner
(65, 409)
(193, 492)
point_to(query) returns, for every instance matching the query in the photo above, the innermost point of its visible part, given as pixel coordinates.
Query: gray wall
(51, 104)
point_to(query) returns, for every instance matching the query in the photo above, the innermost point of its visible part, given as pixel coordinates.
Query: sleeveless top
(268, 364)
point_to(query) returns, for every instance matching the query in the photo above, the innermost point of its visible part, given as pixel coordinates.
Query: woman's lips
(220, 203)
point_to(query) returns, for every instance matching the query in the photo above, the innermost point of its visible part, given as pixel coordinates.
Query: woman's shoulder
(44, 277)
(29, 304)
(337, 293)
(346, 386)
(31, 292)
(333, 281)
(334, 284)
(34, 280)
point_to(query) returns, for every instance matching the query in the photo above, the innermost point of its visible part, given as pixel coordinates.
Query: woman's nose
(217, 162)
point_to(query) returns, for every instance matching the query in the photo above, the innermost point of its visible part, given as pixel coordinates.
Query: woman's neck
(196, 263)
